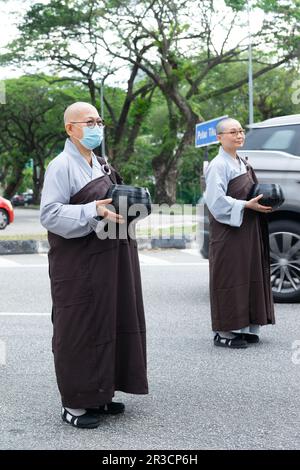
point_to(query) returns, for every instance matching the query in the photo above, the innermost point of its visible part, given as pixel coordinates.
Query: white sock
(226, 334)
(75, 411)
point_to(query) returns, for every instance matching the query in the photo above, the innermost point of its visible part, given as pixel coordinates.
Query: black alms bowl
(272, 194)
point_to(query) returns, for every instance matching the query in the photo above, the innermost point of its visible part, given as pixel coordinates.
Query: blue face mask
(92, 137)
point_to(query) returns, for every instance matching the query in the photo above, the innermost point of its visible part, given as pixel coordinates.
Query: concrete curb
(18, 247)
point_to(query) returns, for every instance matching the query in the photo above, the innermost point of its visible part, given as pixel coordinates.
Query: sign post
(205, 135)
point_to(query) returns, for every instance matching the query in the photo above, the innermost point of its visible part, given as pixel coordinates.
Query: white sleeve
(56, 214)
(225, 209)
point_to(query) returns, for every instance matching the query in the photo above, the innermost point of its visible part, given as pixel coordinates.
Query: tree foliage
(31, 128)
(172, 57)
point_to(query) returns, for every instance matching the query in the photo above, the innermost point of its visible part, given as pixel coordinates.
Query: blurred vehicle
(28, 197)
(6, 213)
(22, 199)
(273, 149)
(17, 200)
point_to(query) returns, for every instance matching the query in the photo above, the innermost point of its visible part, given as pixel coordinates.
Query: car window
(281, 139)
(284, 138)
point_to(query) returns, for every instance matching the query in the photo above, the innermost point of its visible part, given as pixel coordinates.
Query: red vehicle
(6, 213)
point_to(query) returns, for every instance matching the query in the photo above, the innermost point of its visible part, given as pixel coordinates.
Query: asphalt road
(26, 222)
(201, 397)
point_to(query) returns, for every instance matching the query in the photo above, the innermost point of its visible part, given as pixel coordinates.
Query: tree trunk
(92, 90)
(134, 131)
(165, 180)
(12, 187)
(165, 168)
(165, 165)
(38, 181)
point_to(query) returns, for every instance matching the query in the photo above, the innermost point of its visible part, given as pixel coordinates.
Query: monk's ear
(68, 128)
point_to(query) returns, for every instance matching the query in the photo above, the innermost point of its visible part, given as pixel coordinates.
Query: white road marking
(6, 263)
(22, 266)
(204, 264)
(145, 260)
(25, 314)
(192, 251)
(152, 261)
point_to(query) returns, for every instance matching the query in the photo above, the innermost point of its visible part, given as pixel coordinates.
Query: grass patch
(28, 206)
(25, 236)
(178, 209)
(171, 231)
(167, 231)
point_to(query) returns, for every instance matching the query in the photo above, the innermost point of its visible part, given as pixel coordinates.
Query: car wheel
(285, 260)
(3, 219)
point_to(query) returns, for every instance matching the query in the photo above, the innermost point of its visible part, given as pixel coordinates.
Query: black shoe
(113, 408)
(88, 420)
(234, 343)
(251, 339)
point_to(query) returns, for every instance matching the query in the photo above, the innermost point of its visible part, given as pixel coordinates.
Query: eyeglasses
(91, 123)
(234, 133)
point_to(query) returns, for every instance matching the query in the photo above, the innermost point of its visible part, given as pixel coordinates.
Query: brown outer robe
(239, 264)
(99, 333)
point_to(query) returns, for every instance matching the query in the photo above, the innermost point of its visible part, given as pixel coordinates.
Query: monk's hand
(255, 206)
(102, 211)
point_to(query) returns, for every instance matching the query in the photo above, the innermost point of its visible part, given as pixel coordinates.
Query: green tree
(64, 35)
(182, 54)
(170, 46)
(31, 127)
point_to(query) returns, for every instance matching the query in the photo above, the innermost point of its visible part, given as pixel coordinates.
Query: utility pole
(250, 69)
(102, 115)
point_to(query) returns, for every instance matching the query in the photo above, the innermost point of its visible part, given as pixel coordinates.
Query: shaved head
(231, 135)
(225, 124)
(75, 111)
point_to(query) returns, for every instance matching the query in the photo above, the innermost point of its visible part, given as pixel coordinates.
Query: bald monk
(239, 262)
(99, 335)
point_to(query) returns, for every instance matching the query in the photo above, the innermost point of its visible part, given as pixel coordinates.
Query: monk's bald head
(231, 135)
(225, 124)
(79, 111)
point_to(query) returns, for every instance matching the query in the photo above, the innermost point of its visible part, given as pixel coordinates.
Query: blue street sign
(205, 132)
